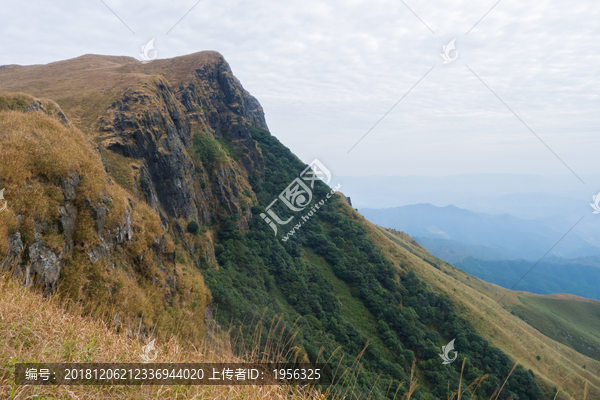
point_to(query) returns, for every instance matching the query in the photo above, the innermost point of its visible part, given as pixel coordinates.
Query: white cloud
(325, 72)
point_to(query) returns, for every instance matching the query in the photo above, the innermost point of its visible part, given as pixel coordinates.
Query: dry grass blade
(461, 376)
(460, 392)
(556, 395)
(413, 384)
(506, 380)
(477, 381)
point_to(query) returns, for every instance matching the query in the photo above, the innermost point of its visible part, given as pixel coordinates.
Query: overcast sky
(327, 71)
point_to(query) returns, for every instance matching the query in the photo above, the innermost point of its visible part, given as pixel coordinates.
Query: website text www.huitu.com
(307, 216)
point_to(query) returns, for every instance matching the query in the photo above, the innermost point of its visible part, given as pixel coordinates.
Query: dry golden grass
(86, 86)
(22, 102)
(37, 153)
(33, 329)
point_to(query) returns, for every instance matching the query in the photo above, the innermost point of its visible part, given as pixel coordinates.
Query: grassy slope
(476, 300)
(37, 153)
(36, 330)
(571, 321)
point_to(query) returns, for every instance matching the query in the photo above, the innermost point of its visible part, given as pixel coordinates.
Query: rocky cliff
(153, 126)
(147, 156)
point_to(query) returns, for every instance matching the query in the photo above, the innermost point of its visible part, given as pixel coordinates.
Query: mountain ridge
(172, 148)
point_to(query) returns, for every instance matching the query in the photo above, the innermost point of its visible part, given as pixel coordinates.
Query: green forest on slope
(334, 285)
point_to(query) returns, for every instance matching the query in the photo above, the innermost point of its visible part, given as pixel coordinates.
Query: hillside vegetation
(142, 208)
(570, 320)
(331, 280)
(559, 366)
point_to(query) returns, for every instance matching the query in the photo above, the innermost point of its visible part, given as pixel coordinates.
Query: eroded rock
(43, 267)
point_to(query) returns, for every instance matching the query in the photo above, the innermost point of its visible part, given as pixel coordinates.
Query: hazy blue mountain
(555, 275)
(452, 233)
(502, 248)
(521, 195)
(454, 252)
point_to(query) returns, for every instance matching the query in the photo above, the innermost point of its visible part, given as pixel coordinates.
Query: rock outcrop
(177, 139)
(69, 224)
(153, 126)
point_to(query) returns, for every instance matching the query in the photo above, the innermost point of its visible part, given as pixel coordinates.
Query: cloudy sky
(327, 71)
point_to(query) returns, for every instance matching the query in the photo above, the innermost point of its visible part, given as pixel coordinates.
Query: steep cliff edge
(67, 224)
(144, 119)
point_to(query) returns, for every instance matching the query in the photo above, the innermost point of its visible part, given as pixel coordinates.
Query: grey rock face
(99, 252)
(69, 186)
(44, 265)
(147, 188)
(67, 223)
(13, 258)
(124, 232)
(41, 266)
(155, 128)
(211, 325)
(36, 105)
(158, 136)
(108, 238)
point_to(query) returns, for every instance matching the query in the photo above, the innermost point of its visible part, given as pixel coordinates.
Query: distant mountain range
(521, 195)
(453, 233)
(556, 275)
(501, 249)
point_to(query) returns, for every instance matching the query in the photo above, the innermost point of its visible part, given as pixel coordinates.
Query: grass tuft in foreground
(34, 329)
(37, 329)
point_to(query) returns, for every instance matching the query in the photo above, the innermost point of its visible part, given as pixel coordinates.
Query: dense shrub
(193, 227)
(208, 150)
